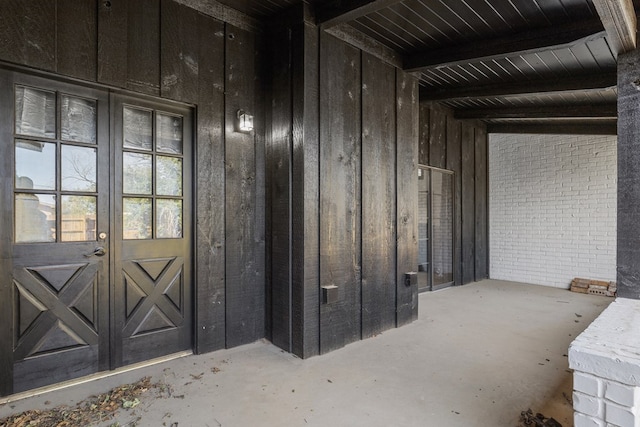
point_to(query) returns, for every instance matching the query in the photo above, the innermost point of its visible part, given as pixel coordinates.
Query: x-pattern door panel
(153, 195)
(57, 322)
(51, 318)
(153, 301)
(58, 140)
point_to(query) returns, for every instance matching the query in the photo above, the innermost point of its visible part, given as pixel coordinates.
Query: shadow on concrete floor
(478, 355)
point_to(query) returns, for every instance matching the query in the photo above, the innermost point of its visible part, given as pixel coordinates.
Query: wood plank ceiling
(517, 65)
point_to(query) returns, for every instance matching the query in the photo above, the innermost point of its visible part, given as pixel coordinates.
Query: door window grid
(152, 174)
(55, 188)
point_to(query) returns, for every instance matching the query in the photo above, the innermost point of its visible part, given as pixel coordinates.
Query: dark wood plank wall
(461, 146)
(482, 205)
(280, 169)
(628, 214)
(468, 203)
(179, 53)
(245, 281)
(353, 159)
(306, 187)
(210, 188)
(143, 42)
(77, 40)
(425, 126)
(28, 33)
(259, 196)
(407, 124)
(437, 138)
(268, 214)
(161, 48)
(378, 196)
(129, 45)
(293, 290)
(340, 191)
(454, 163)
(113, 43)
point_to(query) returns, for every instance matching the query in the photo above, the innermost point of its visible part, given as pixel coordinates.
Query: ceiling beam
(592, 82)
(605, 128)
(619, 20)
(579, 111)
(527, 42)
(223, 13)
(349, 10)
(350, 35)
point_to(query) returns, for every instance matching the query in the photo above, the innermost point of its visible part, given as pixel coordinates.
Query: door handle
(99, 251)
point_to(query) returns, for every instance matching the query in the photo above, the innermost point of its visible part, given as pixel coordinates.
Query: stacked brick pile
(594, 287)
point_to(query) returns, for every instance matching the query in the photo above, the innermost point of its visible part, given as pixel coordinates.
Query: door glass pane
(35, 218)
(136, 171)
(168, 176)
(78, 119)
(35, 112)
(35, 165)
(138, 133)
(423, 228)
(78, 218)
(169, 133)
(136, 218)
(168, 219)
(442, 227)
(78, 168)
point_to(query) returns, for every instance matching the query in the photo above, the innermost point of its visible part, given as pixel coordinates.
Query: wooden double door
(96, 224)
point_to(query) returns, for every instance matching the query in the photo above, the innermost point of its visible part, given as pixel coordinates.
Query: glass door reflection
(435, 228)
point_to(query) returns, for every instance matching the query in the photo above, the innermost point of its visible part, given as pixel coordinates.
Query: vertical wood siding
(340, 191)
(437, 138)
(210, 185)
(425, 127)
(468, 203)
(454, 163)
(353, 159)
(378, 196)
(77, 40)
(337, 179)
(306, 187)
(481, 200)
(129, 45)
(179, 52)
(244, 281)
(279, 192)
(28, 33)
(406, 189)
(628, 225)
(161, 48)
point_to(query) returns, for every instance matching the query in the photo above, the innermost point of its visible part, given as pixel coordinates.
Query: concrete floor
(478, 356)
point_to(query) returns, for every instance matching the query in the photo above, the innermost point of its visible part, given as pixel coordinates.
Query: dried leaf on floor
(93, 410)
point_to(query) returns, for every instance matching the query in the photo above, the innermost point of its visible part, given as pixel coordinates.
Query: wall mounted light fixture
(245, 121)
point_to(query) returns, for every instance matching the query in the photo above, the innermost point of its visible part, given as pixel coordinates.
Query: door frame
(430, 286)
(124, 98)
(7, 296)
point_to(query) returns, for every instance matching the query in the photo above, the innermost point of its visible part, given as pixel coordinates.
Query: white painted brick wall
(605, 358)
(552, 208)
(598, 406)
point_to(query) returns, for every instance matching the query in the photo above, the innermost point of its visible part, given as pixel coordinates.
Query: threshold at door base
(92, 377)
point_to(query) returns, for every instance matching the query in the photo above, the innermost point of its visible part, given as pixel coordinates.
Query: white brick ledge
(606, 363)
(610, 346)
